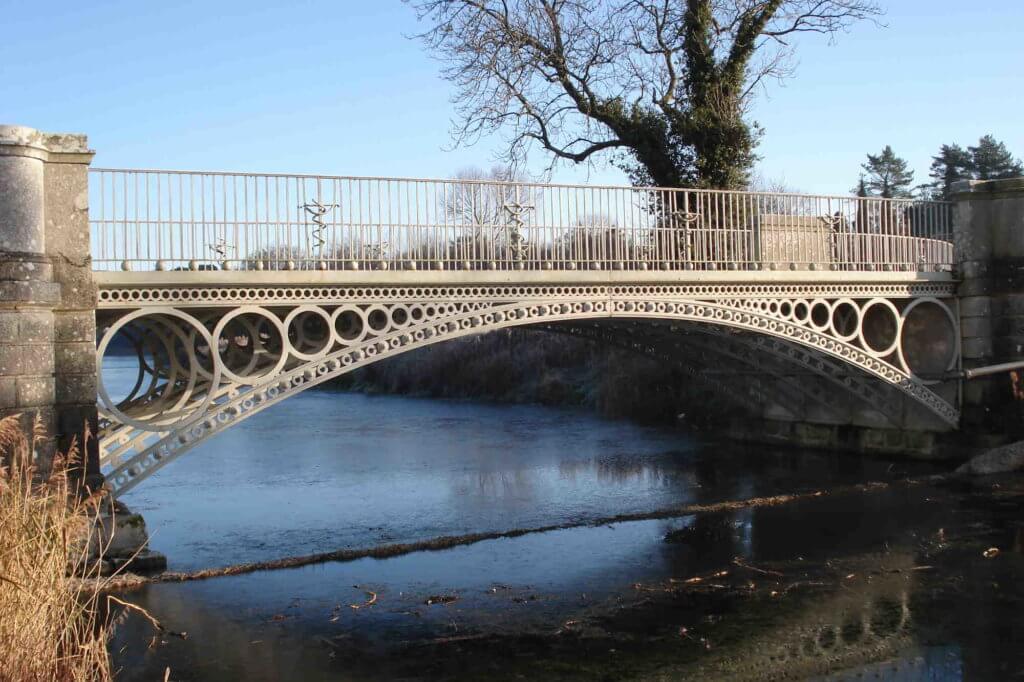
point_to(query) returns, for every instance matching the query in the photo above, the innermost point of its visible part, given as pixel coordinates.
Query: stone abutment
(47, 293)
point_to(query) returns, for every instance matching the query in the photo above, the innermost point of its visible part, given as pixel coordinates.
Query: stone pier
(47, 294)
(989, 233)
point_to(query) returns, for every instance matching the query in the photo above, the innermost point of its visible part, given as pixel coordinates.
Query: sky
(338, 87)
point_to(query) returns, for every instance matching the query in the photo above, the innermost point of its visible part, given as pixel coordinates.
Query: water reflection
(815, 599)
(327, 470)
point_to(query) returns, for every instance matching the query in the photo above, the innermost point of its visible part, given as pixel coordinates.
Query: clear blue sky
(337, 87)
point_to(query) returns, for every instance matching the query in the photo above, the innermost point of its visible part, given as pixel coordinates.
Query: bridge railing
(169, 220)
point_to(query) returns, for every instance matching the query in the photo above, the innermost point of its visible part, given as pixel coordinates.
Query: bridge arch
(367, 324)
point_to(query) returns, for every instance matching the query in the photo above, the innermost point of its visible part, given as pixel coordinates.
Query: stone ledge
(966, 190)
(18, 140)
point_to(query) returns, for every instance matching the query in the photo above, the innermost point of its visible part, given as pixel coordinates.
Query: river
(889, 581)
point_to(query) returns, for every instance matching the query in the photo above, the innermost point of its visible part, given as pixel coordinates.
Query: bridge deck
(126, 289)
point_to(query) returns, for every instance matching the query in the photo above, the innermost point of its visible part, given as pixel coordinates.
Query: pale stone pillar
(47, 296)
(989, 234)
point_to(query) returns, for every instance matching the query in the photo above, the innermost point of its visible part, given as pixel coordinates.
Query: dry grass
(50, 622)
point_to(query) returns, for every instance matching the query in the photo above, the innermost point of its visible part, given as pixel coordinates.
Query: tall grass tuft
(50, 622)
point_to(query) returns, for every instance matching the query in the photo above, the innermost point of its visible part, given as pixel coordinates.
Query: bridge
(237, 291)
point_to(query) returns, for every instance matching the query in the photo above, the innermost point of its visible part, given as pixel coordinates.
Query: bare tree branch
(667, 81)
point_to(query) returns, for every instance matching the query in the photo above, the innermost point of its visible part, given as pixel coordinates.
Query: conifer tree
(887, 175)
(991, 160)
(952, 164)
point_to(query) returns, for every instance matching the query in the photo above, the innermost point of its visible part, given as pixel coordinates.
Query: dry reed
(51, 626)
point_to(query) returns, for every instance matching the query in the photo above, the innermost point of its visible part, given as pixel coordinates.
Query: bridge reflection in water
(239, 291)
(827, 589)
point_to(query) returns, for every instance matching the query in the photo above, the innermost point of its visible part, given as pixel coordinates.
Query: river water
(888, 582)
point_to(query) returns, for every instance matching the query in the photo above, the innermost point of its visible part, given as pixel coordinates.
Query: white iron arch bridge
(237, 291)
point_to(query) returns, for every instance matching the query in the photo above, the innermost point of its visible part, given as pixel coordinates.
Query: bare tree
(478, 196)
(486, 204)
(666, 83)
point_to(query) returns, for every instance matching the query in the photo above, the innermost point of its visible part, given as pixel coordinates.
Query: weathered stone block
(44, 294)
(9, 326)
(974, 269)
(1011, 304)
(975, 306)
(78, 292)
(75, 326)
(35, 326)
(1008, 348)
(21, 211)
(976, 348)
(1008, 325)
(975, 327)
(78, 357)
(976, 287)
(73, 421)
(24, 268)
(8, 392)
(25, 360)
(78, 389)
(34, 391)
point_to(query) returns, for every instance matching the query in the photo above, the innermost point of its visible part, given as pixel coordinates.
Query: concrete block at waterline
(78, 389)
(120, 535)
(26, 360)
(34, 391)
(75, 326)
(78, 357)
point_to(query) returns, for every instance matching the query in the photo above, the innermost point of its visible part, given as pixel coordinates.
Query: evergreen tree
(952, 164)
(887, 175)
(991, 160)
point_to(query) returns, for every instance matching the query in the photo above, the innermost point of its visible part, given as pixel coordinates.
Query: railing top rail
(516, 183)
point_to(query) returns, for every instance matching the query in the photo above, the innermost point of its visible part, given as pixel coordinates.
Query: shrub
(50, 623)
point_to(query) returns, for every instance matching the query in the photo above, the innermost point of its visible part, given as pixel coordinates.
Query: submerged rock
(996, 461)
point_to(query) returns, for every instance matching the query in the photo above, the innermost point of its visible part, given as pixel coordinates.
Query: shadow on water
(821, 587)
